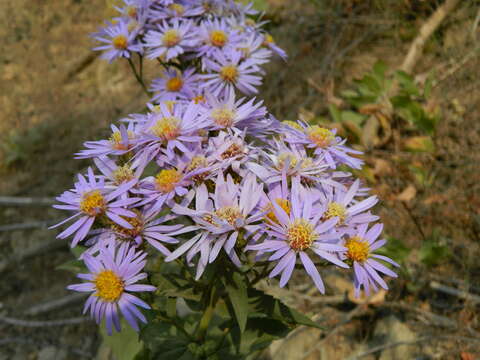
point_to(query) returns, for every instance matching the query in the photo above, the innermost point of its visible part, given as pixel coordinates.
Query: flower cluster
(205, 174)
(224, 38)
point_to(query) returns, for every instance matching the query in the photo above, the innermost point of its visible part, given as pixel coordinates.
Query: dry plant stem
(432, 318)
(46, 323)
(455, 292)
(427, 29)
(55, 304)
(25, 201)
(415, 221)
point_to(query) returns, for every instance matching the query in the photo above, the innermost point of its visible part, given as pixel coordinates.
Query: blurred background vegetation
(348, 68)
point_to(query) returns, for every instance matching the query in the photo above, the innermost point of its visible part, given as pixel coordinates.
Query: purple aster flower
(295, 229)
(219, 219)
(113, 274)
(146, 226)
(360, 245)
(175, 85)
(342, 204)
(228, 113)
(171, 127)
(122, 140)
(229, 71)
(118, 174)
(168, 41)
(252, 48)
(91, 199)
(269, 42)
(172, 9)
(216, 36)
(119, 41)
(232, 150)
(283, 159)
(324, 142)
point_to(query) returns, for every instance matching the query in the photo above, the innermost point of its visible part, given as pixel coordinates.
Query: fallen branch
(25, 201)
(435, 285)
(55, 304)
(427, 29)
(412, 342)
(26, 226)
(33, 251)
(435, 319)
(45, 323)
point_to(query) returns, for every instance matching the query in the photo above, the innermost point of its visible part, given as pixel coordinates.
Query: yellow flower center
(218, 38)
(282, 159)
(198, 162)
(116, 140)
(174, 84)
(120, 42)
(167, 128)
(301, 234)
(229, 73)
(122, 174)
(109, 286)
(92, 203)
(283, 203)
(268, 39)
(293, 124)
(229, 213)
(232, 151)
(223, 116)
(336, 209)
(171, 38)
(136, 222)
(131, 11)
(167, 179)
(358, 249)
(177, 8)
(322, 137)
(199, 99)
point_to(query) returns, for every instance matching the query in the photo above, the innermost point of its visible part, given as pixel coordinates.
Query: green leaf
(427, 88)
(379, 70)
(125, 344)
(407, 83)
(432, 252)
(353, 116)
(237, 293)
(419, 144)
(335, 113)
(78, 250)
(395, 249)
(271, 307)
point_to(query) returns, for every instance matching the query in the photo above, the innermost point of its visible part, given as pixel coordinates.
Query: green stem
(139, 79)
(207, 313)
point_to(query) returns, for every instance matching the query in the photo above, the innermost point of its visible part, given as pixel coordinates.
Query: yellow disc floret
(218, 38)
(358, 249)
(292, 124)
(301, 235)
(122, 173)
(136, 222)
(223, 116)
(229, 73)
(92, 203)
(177, 8)
(109, 286)
(229, 213)
(167, 179)
(167, 128)
(120, 42)
(336, 209)
(174, 84)
(282, 159)
(131, 11)
(283, 203)
(171, 37)
(322, 137)
(117, 141)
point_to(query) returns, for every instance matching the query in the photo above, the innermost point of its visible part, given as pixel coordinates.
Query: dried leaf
(419, 144)
(407, 194)
(381, 167)
(375, 299)
(467, 356)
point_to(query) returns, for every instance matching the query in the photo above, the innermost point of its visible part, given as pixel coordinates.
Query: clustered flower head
(206, 172)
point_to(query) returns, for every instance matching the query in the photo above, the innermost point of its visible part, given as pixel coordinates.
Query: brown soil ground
(55, 94)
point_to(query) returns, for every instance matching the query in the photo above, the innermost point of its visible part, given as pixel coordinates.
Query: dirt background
(55, 94)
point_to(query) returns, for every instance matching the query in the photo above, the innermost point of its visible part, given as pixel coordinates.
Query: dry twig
(45, 323)
(427, 29)
(55, 304)
(25, 201)
(455, 292)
